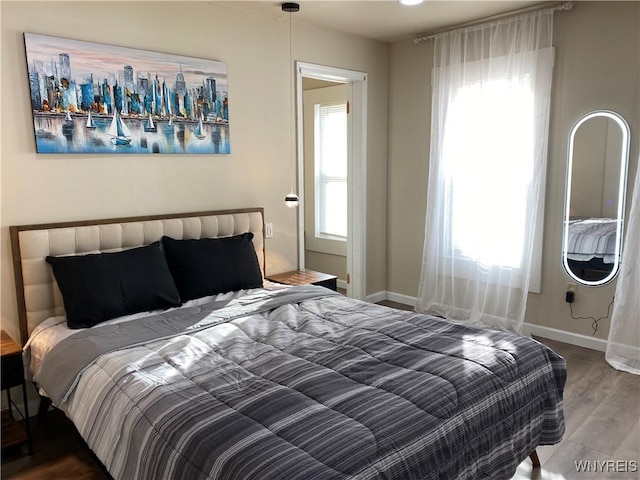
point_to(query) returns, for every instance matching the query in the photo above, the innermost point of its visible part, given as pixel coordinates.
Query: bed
(264, 381)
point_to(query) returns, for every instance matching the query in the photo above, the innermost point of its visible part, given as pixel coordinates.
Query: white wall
(596, 67)
(255, 48)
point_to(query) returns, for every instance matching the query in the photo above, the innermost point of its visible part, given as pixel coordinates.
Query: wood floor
(602, 412)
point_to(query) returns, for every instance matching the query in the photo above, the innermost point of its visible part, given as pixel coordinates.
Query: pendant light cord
(291, 200)
(293, 164)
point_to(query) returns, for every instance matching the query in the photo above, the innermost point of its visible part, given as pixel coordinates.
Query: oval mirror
(595, 194)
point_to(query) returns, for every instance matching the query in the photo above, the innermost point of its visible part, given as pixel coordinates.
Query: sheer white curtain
(623, 346)
(489, 134)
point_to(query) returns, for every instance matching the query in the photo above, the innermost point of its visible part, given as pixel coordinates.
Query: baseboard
(571, 338)
(342, 284)
(376, 297)
(545, 332)
(404, 299)
(392, 297)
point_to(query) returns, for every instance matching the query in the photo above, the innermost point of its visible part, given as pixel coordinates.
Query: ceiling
(384, 20)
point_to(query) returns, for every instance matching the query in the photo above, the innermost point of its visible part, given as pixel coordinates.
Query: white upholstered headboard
(37, 292)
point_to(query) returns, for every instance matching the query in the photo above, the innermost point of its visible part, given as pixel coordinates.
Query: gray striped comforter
(310, 385)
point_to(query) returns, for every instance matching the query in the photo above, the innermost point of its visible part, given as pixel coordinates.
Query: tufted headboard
(37, 292)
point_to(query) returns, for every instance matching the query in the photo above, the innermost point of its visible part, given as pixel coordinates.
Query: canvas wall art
(94, 98)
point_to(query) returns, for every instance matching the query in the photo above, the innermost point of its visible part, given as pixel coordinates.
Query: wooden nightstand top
(301, 277)
(7, 345)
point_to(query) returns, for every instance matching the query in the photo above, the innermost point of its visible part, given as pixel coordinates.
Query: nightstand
(13, 434)
(306, 277)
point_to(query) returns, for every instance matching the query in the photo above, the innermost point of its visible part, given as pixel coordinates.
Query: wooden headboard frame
(37, 292)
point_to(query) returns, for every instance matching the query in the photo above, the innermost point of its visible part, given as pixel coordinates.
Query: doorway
(330, 93)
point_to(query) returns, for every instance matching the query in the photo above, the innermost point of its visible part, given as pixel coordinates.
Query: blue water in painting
(56, 135)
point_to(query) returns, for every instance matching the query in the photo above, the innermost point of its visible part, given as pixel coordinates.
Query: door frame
(357, 172)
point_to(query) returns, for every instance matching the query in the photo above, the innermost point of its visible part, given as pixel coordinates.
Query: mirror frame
(622, 190)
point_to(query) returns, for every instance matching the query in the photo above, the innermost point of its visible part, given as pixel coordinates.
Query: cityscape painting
(94, 98)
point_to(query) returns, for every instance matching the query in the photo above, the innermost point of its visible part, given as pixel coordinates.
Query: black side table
(12, 376)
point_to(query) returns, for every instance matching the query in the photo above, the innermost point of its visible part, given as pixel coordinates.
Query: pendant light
(291, 200)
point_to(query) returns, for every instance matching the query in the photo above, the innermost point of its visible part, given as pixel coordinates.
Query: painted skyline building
(141, 96)
(87, 98)
(128, 76)
(65, 66)
(34, 85)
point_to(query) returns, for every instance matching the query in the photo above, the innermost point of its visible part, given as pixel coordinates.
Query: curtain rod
(556, 6)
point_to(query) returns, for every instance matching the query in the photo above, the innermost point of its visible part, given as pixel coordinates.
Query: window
(489, 178)
(331, 170)
(489, 174)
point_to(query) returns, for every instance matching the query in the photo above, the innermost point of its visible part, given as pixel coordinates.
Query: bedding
(55, 329)
(303, 383)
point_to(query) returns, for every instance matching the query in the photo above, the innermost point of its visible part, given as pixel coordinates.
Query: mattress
(303, 383)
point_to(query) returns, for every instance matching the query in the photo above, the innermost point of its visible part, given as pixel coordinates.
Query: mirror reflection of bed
(591, 247)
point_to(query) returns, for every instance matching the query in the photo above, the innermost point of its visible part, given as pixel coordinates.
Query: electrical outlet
(268, 227)
(572, 287)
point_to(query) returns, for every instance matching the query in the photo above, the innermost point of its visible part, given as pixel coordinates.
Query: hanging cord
(292, 199)
(594, 321)
(293, 157)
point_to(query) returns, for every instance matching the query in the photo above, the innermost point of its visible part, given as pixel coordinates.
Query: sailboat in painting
(67, 117)
(168, 128)
(90, 123)
(119, 132)
(199, 131)
(150, 126)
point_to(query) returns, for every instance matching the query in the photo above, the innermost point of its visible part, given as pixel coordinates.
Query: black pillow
(99, 287)
(208, 266)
